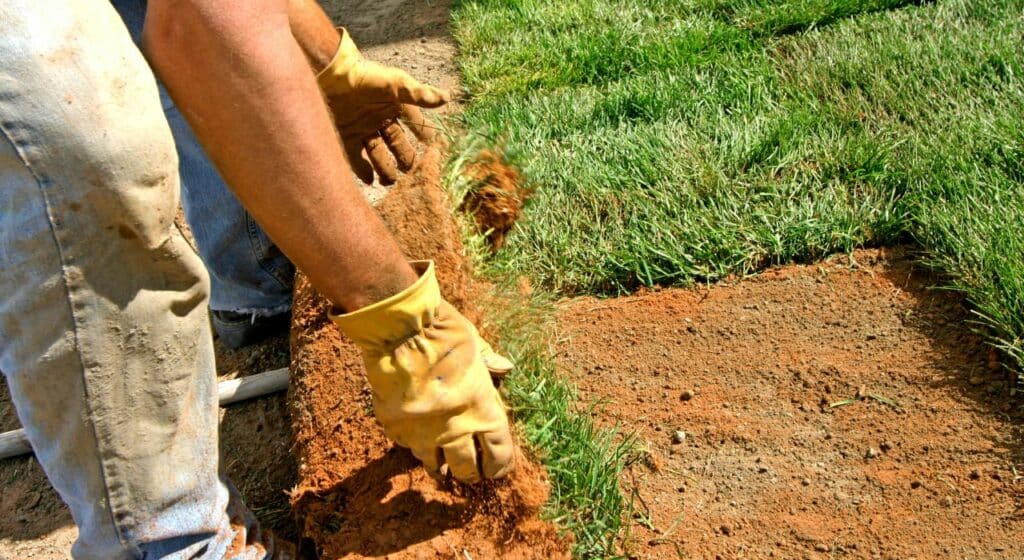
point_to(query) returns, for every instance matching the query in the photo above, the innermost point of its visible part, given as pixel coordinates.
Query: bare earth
(778, 457)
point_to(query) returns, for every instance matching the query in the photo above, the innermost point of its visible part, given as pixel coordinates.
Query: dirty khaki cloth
(104, 336)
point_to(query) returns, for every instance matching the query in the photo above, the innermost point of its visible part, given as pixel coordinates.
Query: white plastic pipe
(14, 442)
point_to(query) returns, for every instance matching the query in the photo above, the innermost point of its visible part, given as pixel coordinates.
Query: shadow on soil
(967, 366)
(29, 506)
(367, 499)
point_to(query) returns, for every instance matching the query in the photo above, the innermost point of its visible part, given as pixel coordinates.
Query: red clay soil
(822, 411)
(496, 196)
(358, 495)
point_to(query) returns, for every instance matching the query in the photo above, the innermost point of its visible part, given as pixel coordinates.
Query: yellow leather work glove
(497, 365)
(367, 100)
(432, 391)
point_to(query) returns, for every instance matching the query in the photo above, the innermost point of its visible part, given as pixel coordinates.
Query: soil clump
(840, 409)
(360, 496)
(496, 196)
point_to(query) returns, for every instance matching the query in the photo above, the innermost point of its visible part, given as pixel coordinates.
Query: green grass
(583, 461)
(673, 141)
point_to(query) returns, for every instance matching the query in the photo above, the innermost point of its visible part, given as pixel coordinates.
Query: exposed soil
(496, 196)
(358, 495)
(418, 213)
(822, 411)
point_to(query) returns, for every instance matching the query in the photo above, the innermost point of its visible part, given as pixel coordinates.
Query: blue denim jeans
(248, 273)
(105, 339)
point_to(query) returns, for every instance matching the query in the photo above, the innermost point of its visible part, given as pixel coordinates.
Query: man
(104, 337)
(250, 279)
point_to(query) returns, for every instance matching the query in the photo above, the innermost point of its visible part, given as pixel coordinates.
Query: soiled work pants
(104, 335)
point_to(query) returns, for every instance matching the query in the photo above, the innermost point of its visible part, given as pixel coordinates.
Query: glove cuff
(337, 77)
(394, 320)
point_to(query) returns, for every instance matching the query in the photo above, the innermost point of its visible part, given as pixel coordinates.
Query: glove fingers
(497, 364)
(403, 151)
(413, 92)
(497, 453)
(431, 458)
(379, 155)
(417, 123)
(361, 167)
(462, 460)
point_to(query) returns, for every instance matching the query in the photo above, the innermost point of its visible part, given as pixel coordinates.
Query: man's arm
(238, 75)
(314, 31)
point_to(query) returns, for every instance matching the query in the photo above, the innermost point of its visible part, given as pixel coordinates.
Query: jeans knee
(133, 189)
(90, 120)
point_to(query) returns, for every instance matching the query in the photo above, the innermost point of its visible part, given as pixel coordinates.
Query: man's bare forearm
(241, 80)
(314, 31)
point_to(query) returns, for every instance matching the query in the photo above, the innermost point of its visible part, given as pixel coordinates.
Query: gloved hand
(497, 365)
(432, 391)
(367, 100)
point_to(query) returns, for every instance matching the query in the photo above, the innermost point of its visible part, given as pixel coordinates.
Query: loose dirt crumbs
(358, 495)
(821, 411)
(496, 197)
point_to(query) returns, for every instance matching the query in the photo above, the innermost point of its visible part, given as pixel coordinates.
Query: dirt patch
(359, 496)
(816, 411)
(496, 196)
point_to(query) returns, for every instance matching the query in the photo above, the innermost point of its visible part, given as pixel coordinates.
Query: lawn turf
(671, 142)
(674, 141)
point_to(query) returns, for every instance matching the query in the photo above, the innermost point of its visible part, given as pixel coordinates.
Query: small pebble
(915, 484)
(805, 481)
(975, 474)
(946, 501)
(726, 530)
(871, 453)
(678, 437)
(687, 395)
(885, 447)
(822, 547)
